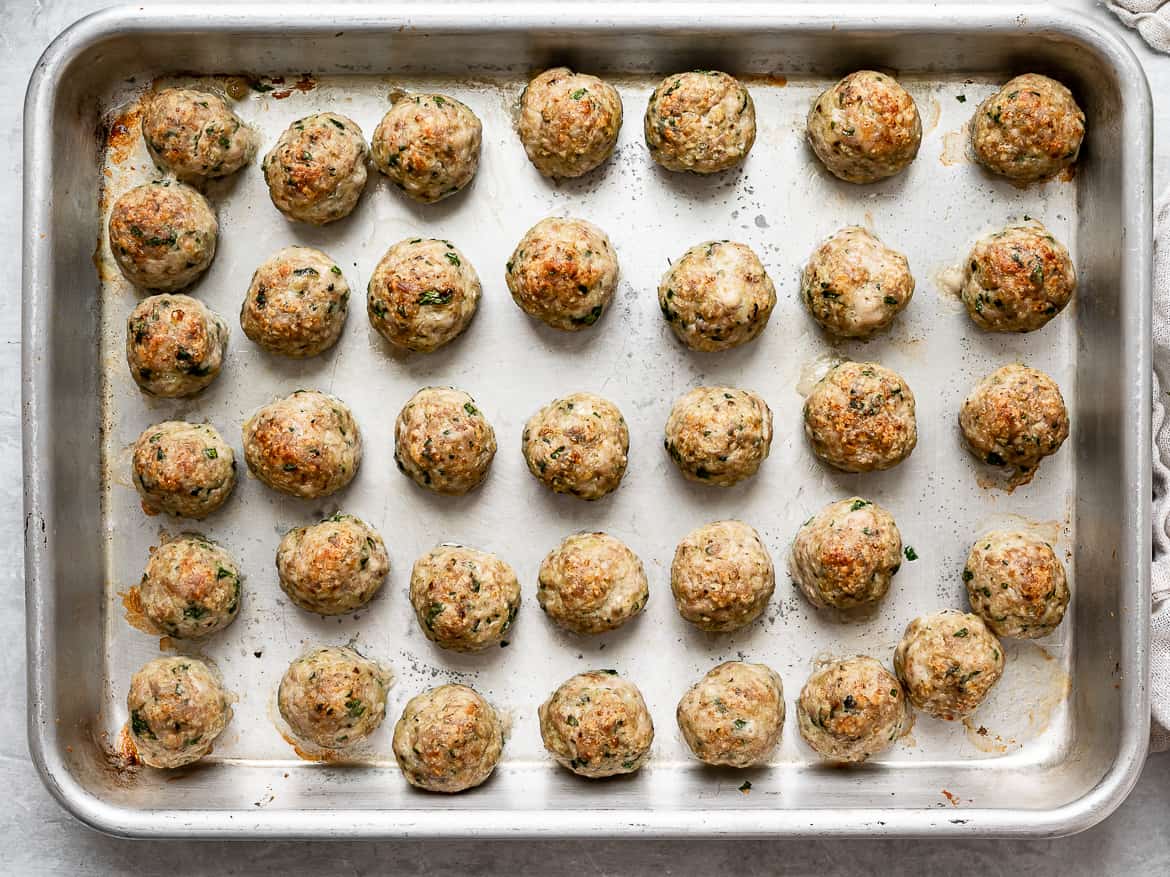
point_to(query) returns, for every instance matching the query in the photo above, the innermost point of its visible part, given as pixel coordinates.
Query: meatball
(948, 662)
(1016, 584)
(305, 445)
(332, 697)
(1017, 279)
(465, 600)
(296, 304)
(183, 469)
(195, 135)
(722, 576)
(852, 709)
(428, 145)
(317, 170)
(717, 296)
(191, 588)
(564, 273)
(163, 235)
(865, 128)
(846, 554)
(569, 122)
(443, 441)
(1030, 129)
(719, 435)
(334, 567)
(178, 707)
(577, 445)
(597, 725)
(422, 294)
(860, 418)
(703, 121)
(854, 285)
(174, 345)
(592, 583)
(734, 715)
(448, 739)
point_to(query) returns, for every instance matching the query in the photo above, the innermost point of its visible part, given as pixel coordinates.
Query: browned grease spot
(125, 753)
(304, 85)
(121, 133)
(952, 799)
(331, 756)
(765, 79)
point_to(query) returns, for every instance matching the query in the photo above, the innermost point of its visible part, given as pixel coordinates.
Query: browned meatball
(1017, 279)
(1029, 130)
(175, 345)
(163, 235)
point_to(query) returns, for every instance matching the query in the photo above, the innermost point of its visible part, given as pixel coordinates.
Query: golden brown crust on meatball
(183, 469)
(577, 445)
(332, 697)
(296, 304)
(178, 707)
(852, 709)
(597, 725)
(175, 345)
(948, 661)
(703, 121)
(722, 576)
(163, 235)
(443, 442)
(195, 135)
(448, 739)
(734, 715)
(719, 435)
(1030, 129)
(1016, 584)
(191, 588)
(592, 583)
(334, 567)
(428, 145)
(316, 172)
(1017, 279)
(569, 122)
(465, 600)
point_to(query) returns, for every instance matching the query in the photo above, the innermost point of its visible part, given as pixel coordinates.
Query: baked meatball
(563, 272)
(305, 445)
(597, 725)
(852, 709)
(191, 588)
(703, 121)
(334, 567)
(577, 445)
(734, 715)
(194, 134)
(846, 554)
(1030, 129)
(722, 576)
(948, 661)
(443, 441)
(1016, 584)
(717, 296)
(174, 345)
(163, 235)
(854, 285)
(719, 435)
(465, 600)
(860, 418)
(569, 122)
(296, 304)
(317, 170)
(333, 697)
(428, 145)
(1017, 279)
(178, 707)
(183, 469)
(592, 583)
(448, 739)
(865, 128)
(422, 294)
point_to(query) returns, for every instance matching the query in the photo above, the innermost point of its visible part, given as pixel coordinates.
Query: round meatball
(191, 588)
(734, 715)
(1017, 279)
(334, 567)
(703, 121)
(865, 128)
(296, 304)
(195, 135)
(592, 583)
(860, 418)
(1030, 129)
(948, 662)
(178, 707)
(317, 170)
(569, 122)
(854, 285)
(577, 445)
(448, 739)
(443, 441)
(846, 554)
(174, 345)
(563, 272)
(1016, 584)
(332, 697)
(465, 600)
(719, 435)
(852, 709)
(597, 725)
(183, 469)
(428, 145)
(722, 576)
(305, 445)
(163, 235)
(717, 296)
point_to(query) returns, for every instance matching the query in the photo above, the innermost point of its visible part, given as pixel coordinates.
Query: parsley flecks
(911, 554)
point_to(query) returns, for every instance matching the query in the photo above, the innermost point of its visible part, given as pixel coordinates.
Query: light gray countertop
(40, 838)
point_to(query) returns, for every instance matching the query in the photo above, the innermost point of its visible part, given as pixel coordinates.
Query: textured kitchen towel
(1150, 18)
(1160, 642)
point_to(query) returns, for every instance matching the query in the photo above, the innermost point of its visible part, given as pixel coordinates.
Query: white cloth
(1150, 18)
